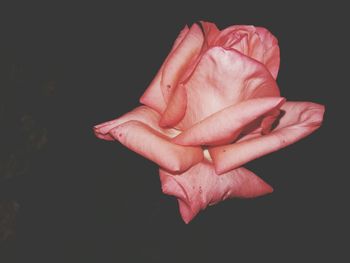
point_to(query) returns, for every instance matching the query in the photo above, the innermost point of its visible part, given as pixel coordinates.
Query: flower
(213, 106)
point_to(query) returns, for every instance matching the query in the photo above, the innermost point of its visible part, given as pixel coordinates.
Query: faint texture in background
(8, 210)
(23, 133)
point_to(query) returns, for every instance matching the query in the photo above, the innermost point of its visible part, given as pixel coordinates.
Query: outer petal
(200, 186)
(223, 78)
(227, 124)
(153, 96)
(299, 120)
(143, 114)
(176, 108)
(272, 51)
(180, 60)
(156, 147)
(266, 37)
(210, 32)
(177, 68)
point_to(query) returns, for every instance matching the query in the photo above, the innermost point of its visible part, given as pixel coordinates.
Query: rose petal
(230, 36)
(266, 37)
(180, 60)
(225, 125)
(143, 114)
(176, 108)
(200, 186)
(156, 147)
(243, 39)
(179, 66)
(242, 45)
(210, 32)
(223, 78)
(153, 96)
(255, 42)
(272, 51)
(300, 119)
(272, 60)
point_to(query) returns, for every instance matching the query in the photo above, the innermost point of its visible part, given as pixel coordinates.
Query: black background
(87, 200)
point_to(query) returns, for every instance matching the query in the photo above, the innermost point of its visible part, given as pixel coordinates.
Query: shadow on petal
(299, 120)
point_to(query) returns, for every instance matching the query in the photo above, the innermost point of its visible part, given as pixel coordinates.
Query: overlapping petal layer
(200, 186)
(210, 32)
(179, 62)
(156, 147)
(255, 42)
(271, 57)
(153, 96)
(226, 125)
(299, 120)
(139, 131)
(143, 114)
(223, 78)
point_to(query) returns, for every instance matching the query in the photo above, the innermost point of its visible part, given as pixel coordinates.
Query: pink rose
(213, 106)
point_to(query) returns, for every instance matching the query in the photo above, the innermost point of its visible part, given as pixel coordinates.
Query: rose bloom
(213, 106)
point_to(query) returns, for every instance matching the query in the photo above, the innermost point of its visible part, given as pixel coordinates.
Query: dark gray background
(80, 199)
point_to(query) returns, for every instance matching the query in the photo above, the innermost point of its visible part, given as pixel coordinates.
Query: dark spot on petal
(200, 190)
(224, 150)
(168, 86)
(120, 135)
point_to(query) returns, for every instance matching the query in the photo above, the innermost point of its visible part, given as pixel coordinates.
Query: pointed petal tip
(96, 131)
(142, 99)
(97, 126)
(282, 100)
(186, 220)
(171, 187)
(269, 189)
(186, 212)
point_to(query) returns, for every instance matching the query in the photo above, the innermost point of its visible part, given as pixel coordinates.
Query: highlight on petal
(299, 120)
(156, 146)
(223, 78)
(153, 96)
(143, 114)
(200, 186)
(226, 125)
